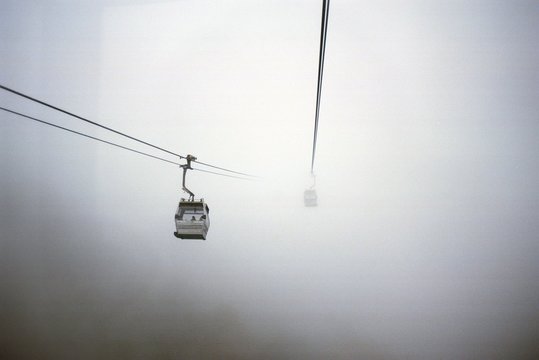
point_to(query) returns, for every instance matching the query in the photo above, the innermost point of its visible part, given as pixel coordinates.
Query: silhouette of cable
(231, 176)
(87, 120)
(112, 143)
(87, 136)
(323, 34)
(220, 168)
(110, 129)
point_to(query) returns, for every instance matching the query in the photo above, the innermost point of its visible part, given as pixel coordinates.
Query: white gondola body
(309, 198)
(192, 220)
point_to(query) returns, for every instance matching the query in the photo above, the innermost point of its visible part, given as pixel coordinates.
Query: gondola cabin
(309, 198)
(192, 220)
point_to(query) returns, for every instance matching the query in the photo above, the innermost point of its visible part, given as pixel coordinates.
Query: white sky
(425, 241)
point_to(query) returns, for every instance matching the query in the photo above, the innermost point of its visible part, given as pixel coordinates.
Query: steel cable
(112, 130)
(323, 34)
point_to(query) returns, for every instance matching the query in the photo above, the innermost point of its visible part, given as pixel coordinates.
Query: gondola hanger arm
(186, 167)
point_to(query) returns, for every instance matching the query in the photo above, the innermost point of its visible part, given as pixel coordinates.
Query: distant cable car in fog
(309, 196)
(192, 216)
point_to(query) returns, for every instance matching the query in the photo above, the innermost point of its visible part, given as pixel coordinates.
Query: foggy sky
(424, 244)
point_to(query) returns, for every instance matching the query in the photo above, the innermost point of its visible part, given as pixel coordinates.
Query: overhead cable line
(111, 143)
(87, 136)
(216, 173)
(323, 33)
(87, 120)
(112, 130)
(216, 167)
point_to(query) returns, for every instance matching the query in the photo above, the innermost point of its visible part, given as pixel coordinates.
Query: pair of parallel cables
(244, 176)
(323, 35)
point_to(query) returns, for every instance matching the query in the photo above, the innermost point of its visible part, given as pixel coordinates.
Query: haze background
(424, 244)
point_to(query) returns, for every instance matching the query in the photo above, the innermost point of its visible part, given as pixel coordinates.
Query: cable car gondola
(310, 199)
(192, 216)
(192, 220)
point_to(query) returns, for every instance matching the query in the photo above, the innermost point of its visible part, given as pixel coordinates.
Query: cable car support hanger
(186, 167)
